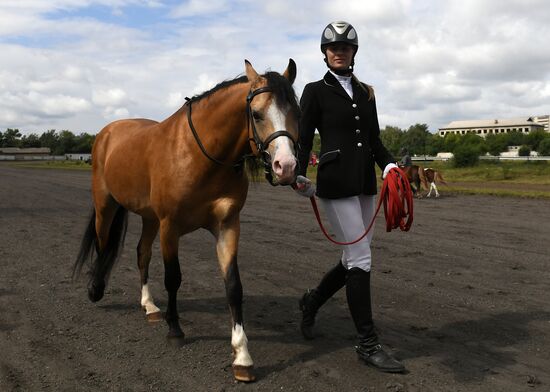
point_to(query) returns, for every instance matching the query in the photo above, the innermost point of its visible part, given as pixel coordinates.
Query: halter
(261, 146)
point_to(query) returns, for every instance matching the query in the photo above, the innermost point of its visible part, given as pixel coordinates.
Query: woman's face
(339, 55)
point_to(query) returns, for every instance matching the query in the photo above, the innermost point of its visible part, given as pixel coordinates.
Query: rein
(397, 197)
(261, 146)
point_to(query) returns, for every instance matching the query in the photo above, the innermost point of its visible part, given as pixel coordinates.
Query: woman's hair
(369, 90)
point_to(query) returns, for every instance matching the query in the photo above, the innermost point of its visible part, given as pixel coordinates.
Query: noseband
(261, 146)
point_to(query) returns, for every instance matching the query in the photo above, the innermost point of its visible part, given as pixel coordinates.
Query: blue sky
(79, 64)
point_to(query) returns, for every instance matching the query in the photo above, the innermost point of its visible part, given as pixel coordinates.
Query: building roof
(504, 122)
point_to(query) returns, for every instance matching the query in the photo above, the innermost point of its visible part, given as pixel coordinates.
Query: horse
(432, 176)
(185, 173)
(417, 175)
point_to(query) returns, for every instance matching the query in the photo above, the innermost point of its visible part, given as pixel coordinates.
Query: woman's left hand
(387, 169)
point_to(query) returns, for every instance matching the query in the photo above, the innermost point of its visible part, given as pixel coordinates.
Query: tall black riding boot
(313, 299)
(359, 300)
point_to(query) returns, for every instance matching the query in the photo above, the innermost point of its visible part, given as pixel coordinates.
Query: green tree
(495, 144)
(515, 138)
(392, 139)
(465, 155)
(11, 138)
(83, 143)
(435, 144)
(416, 138)
(30, 141)
(66, 144)
(524, 151)
(544, 147)
(450, 141)
(535, 137)
(49, 139)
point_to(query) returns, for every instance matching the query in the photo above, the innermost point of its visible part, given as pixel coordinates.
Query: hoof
(154, 317)
(96, 291)
(243, 373)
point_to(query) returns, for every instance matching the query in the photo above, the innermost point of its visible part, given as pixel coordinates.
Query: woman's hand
(304, 186)
(387, 169)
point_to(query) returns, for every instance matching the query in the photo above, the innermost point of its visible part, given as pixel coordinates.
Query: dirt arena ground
(463, 299)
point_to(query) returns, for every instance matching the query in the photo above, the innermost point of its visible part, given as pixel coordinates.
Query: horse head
(274, 112)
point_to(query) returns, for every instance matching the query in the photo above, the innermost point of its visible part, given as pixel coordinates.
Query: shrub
(524, 151)
(544, 147)
(465, 155)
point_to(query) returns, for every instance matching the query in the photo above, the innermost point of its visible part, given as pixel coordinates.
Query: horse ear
(251, 73)
(290, 72)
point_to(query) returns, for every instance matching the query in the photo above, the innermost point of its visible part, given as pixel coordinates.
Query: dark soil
(463, 299)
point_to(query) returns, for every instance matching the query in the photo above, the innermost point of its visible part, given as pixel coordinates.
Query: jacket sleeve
(381, 155)
(309, 119)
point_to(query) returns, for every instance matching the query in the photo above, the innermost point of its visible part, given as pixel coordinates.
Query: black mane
(281, 87)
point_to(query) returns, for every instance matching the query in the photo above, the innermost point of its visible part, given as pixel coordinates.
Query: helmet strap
(341, 72)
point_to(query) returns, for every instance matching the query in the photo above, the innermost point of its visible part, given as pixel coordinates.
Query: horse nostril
(277, 166)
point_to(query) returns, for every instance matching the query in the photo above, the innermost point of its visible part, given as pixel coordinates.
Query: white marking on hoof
(147, 301)
(239, 343)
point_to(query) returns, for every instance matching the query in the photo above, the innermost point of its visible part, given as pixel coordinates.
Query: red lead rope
(397, 196)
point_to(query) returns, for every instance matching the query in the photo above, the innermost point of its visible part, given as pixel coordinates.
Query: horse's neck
(221, 120)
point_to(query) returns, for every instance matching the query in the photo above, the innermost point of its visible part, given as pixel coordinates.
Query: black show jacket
(350, 138)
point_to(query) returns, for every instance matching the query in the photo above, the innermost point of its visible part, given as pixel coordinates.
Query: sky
(80, 64)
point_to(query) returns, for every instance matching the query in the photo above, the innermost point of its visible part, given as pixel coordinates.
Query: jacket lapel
(336, 87)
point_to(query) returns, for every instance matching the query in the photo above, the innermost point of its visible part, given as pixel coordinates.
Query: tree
(535, 137)
(30, 141)
(495, 144)
(83, 143)
(435, 144)
(515, 138)
(392, 139)
(66, 143)
(49, 139)
(524, 151)
(10, 138)
(415, 139)
(465, 155)
(544, 147)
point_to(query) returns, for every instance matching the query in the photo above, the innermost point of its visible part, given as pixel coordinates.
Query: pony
(432, 176)
(185, 173)
(418, 175)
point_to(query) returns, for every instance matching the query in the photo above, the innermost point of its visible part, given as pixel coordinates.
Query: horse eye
(257, 116)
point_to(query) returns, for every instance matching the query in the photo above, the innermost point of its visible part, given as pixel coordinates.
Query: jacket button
(357, 117)
(354, 105)
(359, 144)
(358, 131)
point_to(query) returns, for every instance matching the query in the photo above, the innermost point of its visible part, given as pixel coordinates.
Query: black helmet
(339, 32)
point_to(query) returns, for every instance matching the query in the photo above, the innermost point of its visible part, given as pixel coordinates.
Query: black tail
(101, 267)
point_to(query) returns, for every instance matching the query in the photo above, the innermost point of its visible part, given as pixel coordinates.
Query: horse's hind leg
(105, 209)
(149, 231)
(435, 189)
(226, 248)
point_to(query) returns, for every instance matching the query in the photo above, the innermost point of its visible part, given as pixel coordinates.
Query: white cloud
(430, 62)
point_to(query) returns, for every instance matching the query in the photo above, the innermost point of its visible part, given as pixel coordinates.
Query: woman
(343, 110)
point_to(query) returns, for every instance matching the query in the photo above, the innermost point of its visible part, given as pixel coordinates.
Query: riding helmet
(339, 32)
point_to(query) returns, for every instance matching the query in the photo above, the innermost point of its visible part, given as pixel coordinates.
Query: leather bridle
(260, 146)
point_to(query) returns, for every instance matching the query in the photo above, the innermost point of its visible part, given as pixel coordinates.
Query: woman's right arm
(309, 119)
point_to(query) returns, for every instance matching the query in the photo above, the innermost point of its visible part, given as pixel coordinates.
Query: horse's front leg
(148, 233)
(169, 241)
(226, 247)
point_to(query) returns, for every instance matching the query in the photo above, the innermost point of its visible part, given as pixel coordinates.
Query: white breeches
(349, 217)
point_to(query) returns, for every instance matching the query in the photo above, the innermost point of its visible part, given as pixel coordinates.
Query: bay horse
(185, 173)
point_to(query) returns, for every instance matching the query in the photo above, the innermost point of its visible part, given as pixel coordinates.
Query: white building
(488, 127)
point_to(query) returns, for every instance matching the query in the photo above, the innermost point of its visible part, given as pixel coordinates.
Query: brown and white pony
(186, 173)
(418, 175)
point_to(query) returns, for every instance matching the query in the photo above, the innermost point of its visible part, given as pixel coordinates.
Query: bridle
(259, 145)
